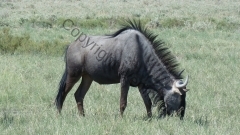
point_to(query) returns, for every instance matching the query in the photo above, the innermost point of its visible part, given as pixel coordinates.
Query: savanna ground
(203, 34)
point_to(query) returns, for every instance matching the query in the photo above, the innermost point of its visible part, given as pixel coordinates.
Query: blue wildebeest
(132, 56)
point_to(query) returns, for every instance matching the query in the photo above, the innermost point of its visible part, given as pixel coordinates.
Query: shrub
(24, 44)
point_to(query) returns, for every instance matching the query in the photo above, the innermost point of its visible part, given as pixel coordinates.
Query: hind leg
(69, 84)
(81, 92)
(72, 76)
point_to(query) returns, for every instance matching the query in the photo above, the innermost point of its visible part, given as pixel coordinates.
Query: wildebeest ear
(186, 90)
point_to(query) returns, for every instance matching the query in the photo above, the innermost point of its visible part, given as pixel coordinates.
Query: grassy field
(204, 36)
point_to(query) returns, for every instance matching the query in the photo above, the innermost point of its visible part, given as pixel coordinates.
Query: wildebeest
(132, 56)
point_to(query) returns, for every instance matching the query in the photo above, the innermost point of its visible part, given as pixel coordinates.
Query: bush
(172, 22)
(24, 44)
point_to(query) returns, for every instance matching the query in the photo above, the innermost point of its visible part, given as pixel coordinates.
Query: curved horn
(179, 74)
(179, 83)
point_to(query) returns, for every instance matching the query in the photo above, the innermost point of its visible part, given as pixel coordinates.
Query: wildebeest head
(174, 98)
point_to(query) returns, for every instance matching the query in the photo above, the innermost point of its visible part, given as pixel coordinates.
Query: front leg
(162, 111)
(124, 92)
(147, 101)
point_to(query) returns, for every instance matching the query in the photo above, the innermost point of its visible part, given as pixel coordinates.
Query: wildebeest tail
(62, 85)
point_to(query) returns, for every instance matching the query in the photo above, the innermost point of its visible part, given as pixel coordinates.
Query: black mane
(163, 53)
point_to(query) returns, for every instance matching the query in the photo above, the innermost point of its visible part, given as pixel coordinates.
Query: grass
(204, 36)
(43, 23)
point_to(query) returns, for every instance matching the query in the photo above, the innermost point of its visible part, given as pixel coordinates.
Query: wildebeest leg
(124, 93)
(162, 110)
(147, 101)
(81, 92)
(183, 106)
(67, 83)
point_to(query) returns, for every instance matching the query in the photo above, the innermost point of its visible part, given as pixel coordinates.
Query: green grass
(42, 22)
(204, 36)
(29, 85)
